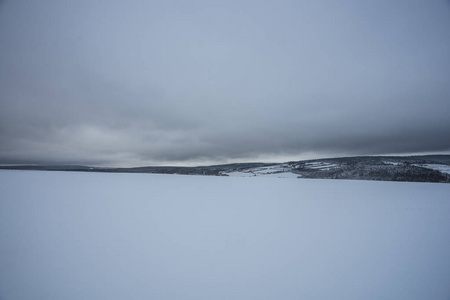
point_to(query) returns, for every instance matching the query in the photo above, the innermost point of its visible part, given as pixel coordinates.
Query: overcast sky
(198, 82)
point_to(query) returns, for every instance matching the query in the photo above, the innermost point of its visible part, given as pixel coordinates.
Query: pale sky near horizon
(192, 82)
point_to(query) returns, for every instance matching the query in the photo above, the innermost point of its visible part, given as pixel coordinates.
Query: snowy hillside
(425, 168)
(416, 169)
(438, 167)
(72, 235)
(276, 170)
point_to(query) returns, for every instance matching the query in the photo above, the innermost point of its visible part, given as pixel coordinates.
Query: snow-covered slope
(438, 167)
(425, 168)
(68, 235)
(368, 168)
(276, 170)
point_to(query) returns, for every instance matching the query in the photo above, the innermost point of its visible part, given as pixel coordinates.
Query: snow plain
(68, 235)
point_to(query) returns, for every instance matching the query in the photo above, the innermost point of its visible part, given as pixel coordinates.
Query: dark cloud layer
(150, 82)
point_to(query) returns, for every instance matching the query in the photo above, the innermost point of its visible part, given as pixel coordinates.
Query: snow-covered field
(320, 166)
(68, 235)
(441, 168)
(278, 171)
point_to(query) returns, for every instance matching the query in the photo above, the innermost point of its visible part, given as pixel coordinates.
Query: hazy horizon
(205, 164)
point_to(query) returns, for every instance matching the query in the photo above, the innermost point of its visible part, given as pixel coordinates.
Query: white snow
(438, 167)
(279, 171)
(240, 174)
(282, 175)
(74, 235)
(320, 166)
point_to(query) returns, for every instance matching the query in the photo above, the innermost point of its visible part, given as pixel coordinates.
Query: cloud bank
(151, 82)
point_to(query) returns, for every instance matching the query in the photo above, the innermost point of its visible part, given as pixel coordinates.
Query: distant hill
(426, 168)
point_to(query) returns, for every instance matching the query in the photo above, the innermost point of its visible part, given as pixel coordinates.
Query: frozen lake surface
(68, 235)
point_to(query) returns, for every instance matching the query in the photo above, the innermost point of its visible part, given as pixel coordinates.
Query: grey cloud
(189, 81)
